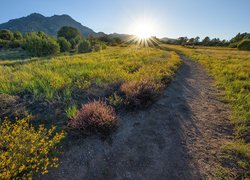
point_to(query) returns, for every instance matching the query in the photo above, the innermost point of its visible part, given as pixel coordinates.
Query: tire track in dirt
(176, 138)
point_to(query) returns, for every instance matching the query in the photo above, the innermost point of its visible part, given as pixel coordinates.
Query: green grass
(60, 77)
(71, 111)
(231, 71)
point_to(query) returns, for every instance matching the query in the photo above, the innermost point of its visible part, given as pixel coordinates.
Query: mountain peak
(37, 15)
(49, 25)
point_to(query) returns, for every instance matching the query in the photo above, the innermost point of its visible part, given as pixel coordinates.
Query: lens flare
(143, 31)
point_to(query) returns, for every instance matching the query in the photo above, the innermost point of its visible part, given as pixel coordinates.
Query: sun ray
(143, 31)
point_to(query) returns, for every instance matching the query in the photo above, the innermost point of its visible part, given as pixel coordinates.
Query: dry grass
(95, 116)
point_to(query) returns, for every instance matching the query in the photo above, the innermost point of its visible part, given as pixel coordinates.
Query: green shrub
(115, 100)
(95, 116)
(97, 47)
(104, 46)
(3, 43)
(71, 111)
(64, 44)
(84, 46)
(14, 44)
(25, 150)
(244, 45)
(40, 46)
(6, 34)
(233, 45)
(17, 35)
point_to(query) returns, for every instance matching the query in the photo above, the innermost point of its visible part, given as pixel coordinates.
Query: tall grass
(59, 77)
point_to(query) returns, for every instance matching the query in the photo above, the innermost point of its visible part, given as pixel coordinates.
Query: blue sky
(172, 18)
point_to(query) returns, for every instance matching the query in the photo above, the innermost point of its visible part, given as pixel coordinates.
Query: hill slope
(49, 25)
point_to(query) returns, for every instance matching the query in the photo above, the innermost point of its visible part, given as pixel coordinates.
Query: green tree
(205, 41)
(18, 35)
(64, 44)
(244, 45)
(191, 41)
(6, 34)
(40, 46)
(182, 40)
(84, 46)
(75, 41)
(239, 37)
(68, 33)
(197, 40)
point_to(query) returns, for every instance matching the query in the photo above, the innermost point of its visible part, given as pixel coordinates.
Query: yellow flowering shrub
(25, 150)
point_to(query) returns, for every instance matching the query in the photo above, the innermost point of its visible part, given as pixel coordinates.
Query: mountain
(49, 25)
(165, 39)
(124, 37)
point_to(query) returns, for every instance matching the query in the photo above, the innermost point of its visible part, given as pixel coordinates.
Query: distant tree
(40, 46)
(182, 40)
(75, 41)
(84, 46)
(244, 45)
(191, 41)
(68, 33)
(41, 34)
(6, 34)
(205, 41)
(239, 37)
(3, 44)
(107, 39)
(92, 40)
(224, 42)
(247, 36)
(65, 46)
(214, 42)
(196, 40)
(17, 35)
(117, 40)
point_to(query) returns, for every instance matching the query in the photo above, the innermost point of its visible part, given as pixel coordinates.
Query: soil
(178, 137)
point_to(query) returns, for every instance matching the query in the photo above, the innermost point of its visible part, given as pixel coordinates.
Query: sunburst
(143, 31)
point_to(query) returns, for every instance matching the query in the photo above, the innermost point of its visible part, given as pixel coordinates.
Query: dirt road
(176, 138)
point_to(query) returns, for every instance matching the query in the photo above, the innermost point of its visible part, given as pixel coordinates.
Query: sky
(169, 18)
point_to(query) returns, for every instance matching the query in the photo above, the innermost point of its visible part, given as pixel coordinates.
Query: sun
(143, 29)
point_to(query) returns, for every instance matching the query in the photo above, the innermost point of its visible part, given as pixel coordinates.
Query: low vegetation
(95, 116)
(68, 80)
(140, 93)
(39, 44)
(230, 68)
(196, 41)
(60, 77)
(244, 45)
(25, 150)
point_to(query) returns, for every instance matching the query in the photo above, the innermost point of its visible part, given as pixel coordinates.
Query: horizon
(181, 18)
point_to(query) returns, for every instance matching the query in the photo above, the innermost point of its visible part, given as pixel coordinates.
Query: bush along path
(178, 137)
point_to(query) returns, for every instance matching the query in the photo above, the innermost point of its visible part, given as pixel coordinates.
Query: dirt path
(176, 138)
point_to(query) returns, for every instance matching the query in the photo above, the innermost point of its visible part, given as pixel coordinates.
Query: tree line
(68, 40)
(240, 41)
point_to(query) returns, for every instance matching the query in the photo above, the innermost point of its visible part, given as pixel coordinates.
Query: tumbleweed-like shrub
(95, 116)
(141, 93)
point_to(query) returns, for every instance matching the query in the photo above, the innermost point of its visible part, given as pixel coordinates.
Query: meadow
(231, 70)
(59, 77)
